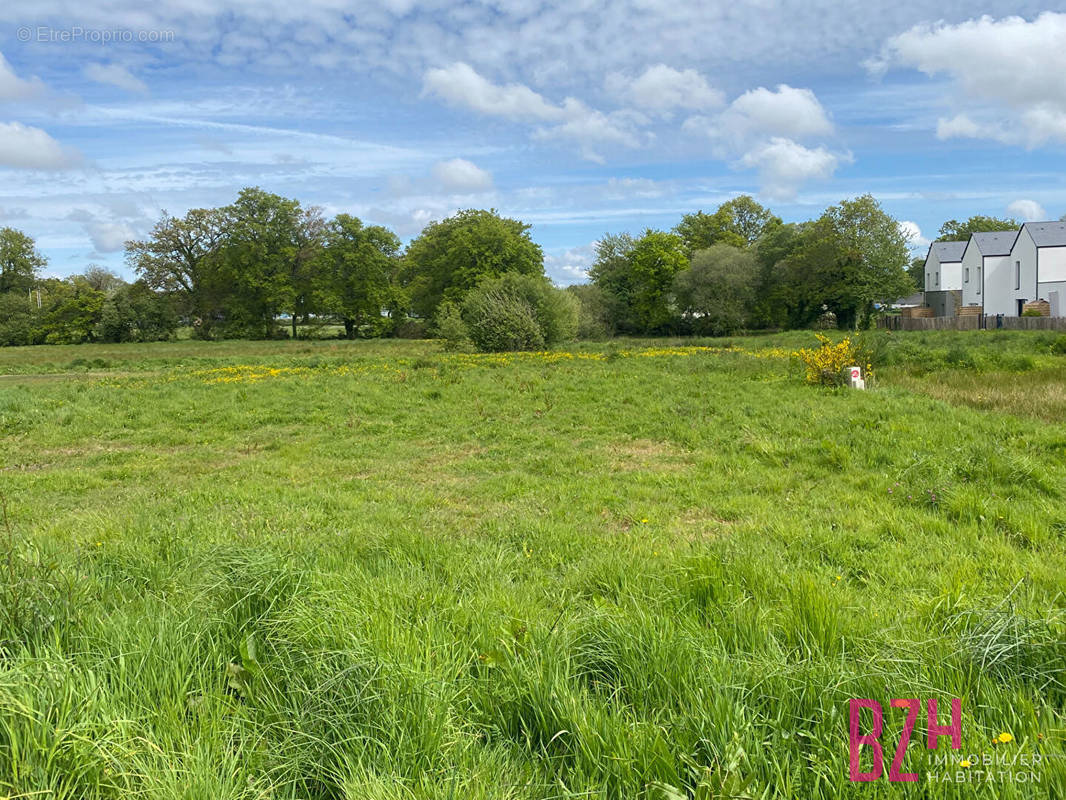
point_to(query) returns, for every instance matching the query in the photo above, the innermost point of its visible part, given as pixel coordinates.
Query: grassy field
(374, 570)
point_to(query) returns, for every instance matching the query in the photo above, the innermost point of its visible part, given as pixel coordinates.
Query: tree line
(742, 268)
(265, 267)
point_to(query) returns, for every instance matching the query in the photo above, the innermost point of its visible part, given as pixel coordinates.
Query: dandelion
(966, 763)
(644, 521)
(1005, 737)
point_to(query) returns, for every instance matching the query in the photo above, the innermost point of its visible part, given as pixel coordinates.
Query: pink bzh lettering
(894, 774)
(857, 740)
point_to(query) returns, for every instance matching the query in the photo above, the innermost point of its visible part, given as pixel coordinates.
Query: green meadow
(635, 569)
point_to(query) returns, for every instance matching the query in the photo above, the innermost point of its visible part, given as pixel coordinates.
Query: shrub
(1058, 347)
(715, 291)
(518, 312)
(594, 311)
(410, 329)
(498, 320)
(960, 357)
(825, 364)
(450, 326)
(18, 320)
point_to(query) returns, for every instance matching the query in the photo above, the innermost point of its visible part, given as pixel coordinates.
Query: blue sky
(580, 117)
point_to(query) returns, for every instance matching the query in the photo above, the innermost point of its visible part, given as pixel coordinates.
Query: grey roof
(948, 251)
(1047, 234)
(995, 243)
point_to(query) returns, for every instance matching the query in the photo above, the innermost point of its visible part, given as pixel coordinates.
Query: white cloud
(115, 75)
(591, 128)
(111, 222)
(462, 176)
(31, 148)
(109, 237)
(459, 84)
(787, 112)
(764, 130)
(784, 165)
(662, 89)
(407, 221)
(915, 239)
(960, 126)
(1027, 210)
(12, 87)
(1029, 128)
(570, 266)
(625, 188)
(549, 42)
(1007, 73)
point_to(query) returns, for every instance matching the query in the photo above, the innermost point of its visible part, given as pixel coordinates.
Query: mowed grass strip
(431, 576)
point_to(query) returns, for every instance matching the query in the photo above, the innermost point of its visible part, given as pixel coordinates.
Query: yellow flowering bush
(825, 364)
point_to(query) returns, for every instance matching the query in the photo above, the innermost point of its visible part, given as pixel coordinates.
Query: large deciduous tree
(72, 311)
(775, 297)
(656, 258)
(700, 230)
(714, 293)
(356, 278)
(852, 257)
(638, 274)
(181, 257)
(271, 247)
(739, 222)
(132, 312)
(19, 261)
(611, 273)
(955, 231)
(450, 257)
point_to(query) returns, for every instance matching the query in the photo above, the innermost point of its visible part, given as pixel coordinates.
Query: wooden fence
(972, 323)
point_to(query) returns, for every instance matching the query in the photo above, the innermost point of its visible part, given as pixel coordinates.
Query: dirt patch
(646, 455)
(698, 524)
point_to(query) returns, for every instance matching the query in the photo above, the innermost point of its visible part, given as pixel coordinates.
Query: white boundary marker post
(855, 380)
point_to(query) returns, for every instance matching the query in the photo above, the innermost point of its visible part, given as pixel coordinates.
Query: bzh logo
(857, 740)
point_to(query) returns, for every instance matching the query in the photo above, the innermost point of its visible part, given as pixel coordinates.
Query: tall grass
(435, 576)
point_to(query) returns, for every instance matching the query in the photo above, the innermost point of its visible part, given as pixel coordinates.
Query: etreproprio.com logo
(77, 34)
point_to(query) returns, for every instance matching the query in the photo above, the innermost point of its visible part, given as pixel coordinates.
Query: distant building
(915, 300)
(986, 272)
(943, 277)
(1038, 268)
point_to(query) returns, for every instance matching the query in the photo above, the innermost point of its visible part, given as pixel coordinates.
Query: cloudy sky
(579, 117)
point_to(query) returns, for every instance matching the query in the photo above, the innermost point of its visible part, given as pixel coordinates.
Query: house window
(967, 274)
(979, 280)
(928, 280)
(1017, 274)
(938, 279)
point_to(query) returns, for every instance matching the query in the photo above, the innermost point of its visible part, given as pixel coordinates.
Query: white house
(986, 272)
(943, 277)
(1038, 267)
